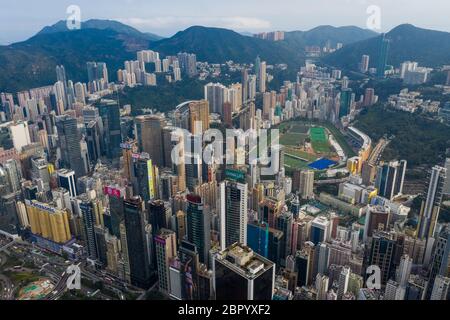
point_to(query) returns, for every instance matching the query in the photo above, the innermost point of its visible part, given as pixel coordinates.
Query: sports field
(319, 140)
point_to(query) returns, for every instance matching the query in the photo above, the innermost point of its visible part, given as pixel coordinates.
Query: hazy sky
(20, 19)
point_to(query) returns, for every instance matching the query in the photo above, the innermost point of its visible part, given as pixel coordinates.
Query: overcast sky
(20, 19)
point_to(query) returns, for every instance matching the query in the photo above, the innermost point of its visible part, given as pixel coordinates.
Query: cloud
(172, 22)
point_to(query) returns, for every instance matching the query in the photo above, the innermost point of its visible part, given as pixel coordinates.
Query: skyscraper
(429, 211)
(344, 277)
(233, 209)
(198, 113)
(66, 180)
(241, 274)
(244, 82)
(382, 254)
(165, 248)
(91, 213)
(188, 63)
(262, 78)
(110, 113)
(440, 288)
(346, 102)
(199, 226)
(390, 177)
(364, 67)
(149, 137)
(440, 259)
(382, 56)
(306, 184)
(216, 94)
(136, 244)
(69, 144)
(320, 230)
(369, 97)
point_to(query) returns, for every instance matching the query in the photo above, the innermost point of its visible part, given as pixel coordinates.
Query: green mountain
(61, 26)
(407, 42)
(218, 45)
(322, 35)
(32, 63)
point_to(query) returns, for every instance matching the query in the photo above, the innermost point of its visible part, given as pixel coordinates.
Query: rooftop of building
(244, 261)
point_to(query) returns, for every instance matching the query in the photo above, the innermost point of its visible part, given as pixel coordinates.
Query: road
(378, 151)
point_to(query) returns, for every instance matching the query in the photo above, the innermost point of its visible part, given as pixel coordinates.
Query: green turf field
(319, 140)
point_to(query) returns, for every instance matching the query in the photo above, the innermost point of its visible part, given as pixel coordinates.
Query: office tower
(323, 258)
(198, 113)
(193, 167)
(346, 102)
(440, 288)
(20, 135)
(364, 67)
(184, 273)
(377, 219)
(233, 209)
(304, 264)
(306, 184)
(383, 56)
(9, 213)
(165, 248)
(284, 223)
(440, 259)
(382, 253)
(149, 137)
(136, 244)
(39, 172)
(198, 219)
(124, 262)
(241, 274)
(115, 198)
(112, 253)
(48, 222)
(93, 139)
(66, 180)
(12, 174)
(109, 112)
(216, 94)
(258, 237)
(404, 270)
(416, 288)
(157, 215)
(262, 77)
(69, 145)
(390, 178)
(343, 280)
(244, 81)
(91, 212)
(179, 167)
(429, 211)
(320, 230)
(447, 83)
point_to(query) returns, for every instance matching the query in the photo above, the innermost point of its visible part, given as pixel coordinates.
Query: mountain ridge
(429, 48)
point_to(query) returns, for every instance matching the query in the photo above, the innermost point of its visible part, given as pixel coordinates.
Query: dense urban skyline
(216, 166)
